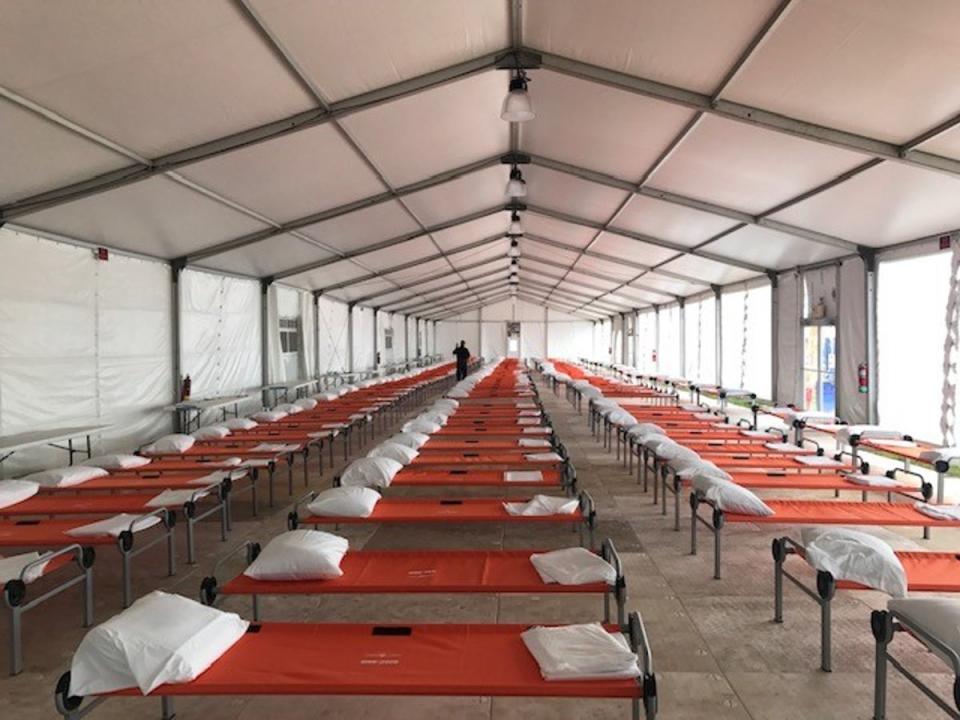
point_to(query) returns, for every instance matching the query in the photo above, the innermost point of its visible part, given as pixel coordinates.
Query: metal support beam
(443, 288)
(376, 340)
(870, 286)
(265, 329)
(656, 340)
(774, 333)
(350, 353)
(718, 335)
(176, 334)
(682, 315)
(316, 335)
(425, 303)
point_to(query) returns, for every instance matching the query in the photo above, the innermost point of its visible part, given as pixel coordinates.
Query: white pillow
(269, 416)
(673, 452)
(288, 408)
(855, 556)
(655, 442)
(159, 639)
(300, 555)
(622, 418)
(211, 432)
(329, 395)
(240, 424)
(375, 472)
(704, 467)
(413, 440)
(65, 477)
(648, 429)
(117, 462)
(395, 451)
(345, 502)
(867, 432)
(730, 497)
(175, 443)
(446, 405)
(434, 416)
(15, 491)
(458, 393)
(419, 425)
(306, 403)
(573, 566)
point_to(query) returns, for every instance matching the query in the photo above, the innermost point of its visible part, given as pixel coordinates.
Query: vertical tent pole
(546, 332)
(264, 339)
(350, 337)
(870, 286)
(376, 339)
(406, 339)
(774, 339)
(434, 337)
(636, 338)
(480, 332)
(718, 335)
(683, 337)
(656, 338)
(316, 336)
(176, 269)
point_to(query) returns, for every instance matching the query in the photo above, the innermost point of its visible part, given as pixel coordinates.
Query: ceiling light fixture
(515, 227)
(514, 250)
(516, 185)
(516, 105)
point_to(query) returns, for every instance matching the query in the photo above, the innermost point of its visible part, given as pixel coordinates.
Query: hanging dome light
(516, 185)
(515, 263)
(515, 227)
(516, 105)
(514, 250)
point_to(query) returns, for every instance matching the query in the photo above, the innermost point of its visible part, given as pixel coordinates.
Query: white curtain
(700, 340)
(571, 339)
(668, 343)
(646, 341)
(308, 329)
(532, 339)
(276, 373)
(332, 335)
(494, 338)
(852, 405)
(747, 339)
(789, 388)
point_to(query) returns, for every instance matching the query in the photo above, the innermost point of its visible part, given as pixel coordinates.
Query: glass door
(820, 368)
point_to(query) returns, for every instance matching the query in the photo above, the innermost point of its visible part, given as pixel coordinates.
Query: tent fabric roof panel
(559, 230)
(884, 70)
(348, 294)
(636, 250)
(610, 269)
(267, 257)
(342, 271)
(595, 127)
(772, 248)
(465, 233)
(409, 277)
(295, 175)
(386, 258)
(748, 168)
(135, 73)
(668, 221)
(158, 217)
(496, 250)
(39, 155)
(449, 126)
(363, 227)
(564, 193)
(714, 272)
(467, 194)
(685, 44)
(666, 283)
(887, 204)
(399, 40)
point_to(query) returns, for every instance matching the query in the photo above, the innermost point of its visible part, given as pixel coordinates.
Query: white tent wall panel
(570, 339)
(669, 341)
(394, 323)
(700, 340)
(81, 341)
(533, 339)
(449, 333)
(789, 389)
(332, 351)
(493, 338)
(749, 366)
(852, 405)
(220, 333)
(363, 357)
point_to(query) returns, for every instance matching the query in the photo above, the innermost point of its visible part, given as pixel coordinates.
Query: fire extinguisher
(653, 355)
(185, 389)
(863, 378)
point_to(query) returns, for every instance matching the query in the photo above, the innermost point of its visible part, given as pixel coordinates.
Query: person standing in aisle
(462, 355)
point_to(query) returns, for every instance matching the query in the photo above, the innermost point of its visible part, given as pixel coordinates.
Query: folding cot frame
(885, 624)
(827, 585)
(719, 517)
(941, 467)
(479, 660)
(586, 515)
(211, 589)
(124, 542)
(15, 593)
(61, 506)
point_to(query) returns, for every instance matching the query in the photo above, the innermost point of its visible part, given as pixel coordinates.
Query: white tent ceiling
(354, 148)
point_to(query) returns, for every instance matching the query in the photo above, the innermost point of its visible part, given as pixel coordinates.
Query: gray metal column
(176, 334)
(636, 339)
(416, 336)
(376, 340)
(623, 338)
(480, 331)
(718, 332)
(870, 284)
(683, 339)
(546, 332)
(406, 338)
(350, 337)
(656, 337)
(316, 335)
(264, 339)
(774, 339)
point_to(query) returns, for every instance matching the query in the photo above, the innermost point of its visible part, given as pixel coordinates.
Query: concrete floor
(716, 650)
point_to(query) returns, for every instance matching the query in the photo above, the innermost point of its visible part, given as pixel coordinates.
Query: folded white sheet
(533, 442)
(871, 480)
(573, 566)
(115, 525)
(275, 448)
(537, 430)
(16, 491)
(12, 567)
(175, 498)
(947, 454)
(580, 652)
(785, 447)
(522, 476)
(543, 457)
(818, 461)
(758, 434)
(939, 512)
(543, 505)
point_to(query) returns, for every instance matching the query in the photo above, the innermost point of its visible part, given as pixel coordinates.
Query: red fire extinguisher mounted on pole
(863, 378)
